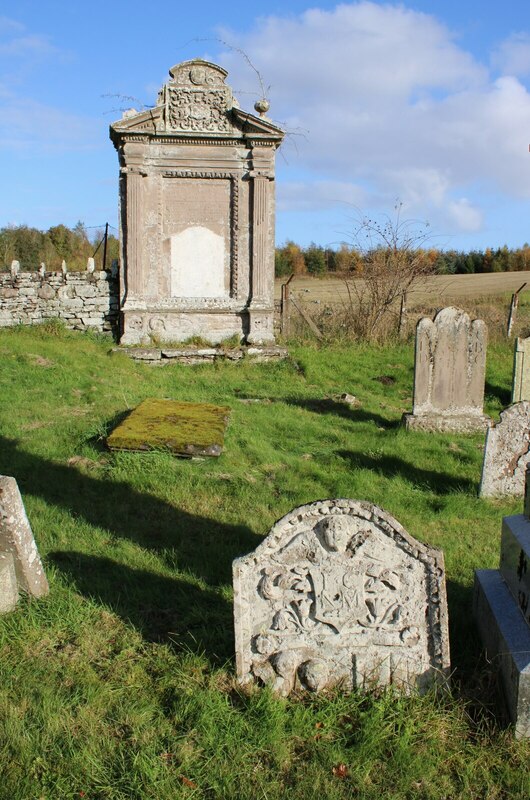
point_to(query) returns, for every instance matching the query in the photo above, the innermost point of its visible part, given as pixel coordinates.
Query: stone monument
(502, 613)
(339, 594)
(521, 371)
(506, 453)
(197, 213)
(20, 564)
(449, 370)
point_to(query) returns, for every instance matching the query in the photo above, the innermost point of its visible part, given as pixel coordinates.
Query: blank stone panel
(197, 221)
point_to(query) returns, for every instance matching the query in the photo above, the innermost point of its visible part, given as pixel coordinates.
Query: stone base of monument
(163, 356)
(501, 607)
(184, 429)
(447, 423)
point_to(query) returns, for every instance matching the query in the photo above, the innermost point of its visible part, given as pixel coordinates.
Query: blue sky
(425, 102)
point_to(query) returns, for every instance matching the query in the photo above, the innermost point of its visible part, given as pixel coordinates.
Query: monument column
(260, 250)
(133, 183)
(261, 309)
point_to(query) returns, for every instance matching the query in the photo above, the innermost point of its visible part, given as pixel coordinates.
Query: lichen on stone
(188, 429)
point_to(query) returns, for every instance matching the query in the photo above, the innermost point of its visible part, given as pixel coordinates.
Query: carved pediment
(195, 101)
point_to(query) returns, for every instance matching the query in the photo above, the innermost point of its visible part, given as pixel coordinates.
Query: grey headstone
(449, 372)
(90, 265)
(16, 538)
(15, 268)
(507, 453)
(340, 594)
(8, 583)
(515, 560)
(42, 269)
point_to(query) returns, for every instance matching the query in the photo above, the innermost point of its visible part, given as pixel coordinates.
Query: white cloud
(512, 56)
(392, 103)
(305, 196)
(30, 127)
(17, 42)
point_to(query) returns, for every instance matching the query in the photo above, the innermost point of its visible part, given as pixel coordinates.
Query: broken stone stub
(8, 583)
(506, 453)
(449, 374)
(339, 594)
(17, 539)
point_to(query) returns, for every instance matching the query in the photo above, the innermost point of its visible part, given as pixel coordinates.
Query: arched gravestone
(340, 594)
(449, 373)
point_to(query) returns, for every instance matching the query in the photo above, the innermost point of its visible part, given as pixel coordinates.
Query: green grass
(121, 685)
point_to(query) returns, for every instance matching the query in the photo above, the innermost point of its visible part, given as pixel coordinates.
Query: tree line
(317, 260)
(31, 247)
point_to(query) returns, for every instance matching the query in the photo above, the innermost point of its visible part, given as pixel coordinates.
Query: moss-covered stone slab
(186, 429)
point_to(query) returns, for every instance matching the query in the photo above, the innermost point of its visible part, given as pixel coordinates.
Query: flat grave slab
(184, 429)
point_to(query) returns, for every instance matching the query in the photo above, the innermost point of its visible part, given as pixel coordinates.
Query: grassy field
(431, 290)
(121, 684)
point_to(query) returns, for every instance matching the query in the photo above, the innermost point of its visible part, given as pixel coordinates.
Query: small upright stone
(449, 370)
(64, 268)
(15, 268)
(506, 453)
(521, 371)
(42, 269)
(90, 265)
(16, 537)
(339, 594)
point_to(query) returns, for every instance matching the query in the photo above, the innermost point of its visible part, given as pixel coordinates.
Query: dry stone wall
(84, 300)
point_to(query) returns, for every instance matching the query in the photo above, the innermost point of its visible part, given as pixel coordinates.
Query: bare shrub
(394, 259)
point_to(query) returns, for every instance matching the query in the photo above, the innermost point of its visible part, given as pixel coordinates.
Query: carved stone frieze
(340, 594)
(193, 110)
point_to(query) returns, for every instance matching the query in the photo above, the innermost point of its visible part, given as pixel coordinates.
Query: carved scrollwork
(198, 110)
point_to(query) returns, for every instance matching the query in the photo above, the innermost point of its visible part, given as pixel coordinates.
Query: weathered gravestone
(502, 613)
(17, 545)
(197, 213)
(340, 594)
(521, 371)
(449, 369)
(507, 453)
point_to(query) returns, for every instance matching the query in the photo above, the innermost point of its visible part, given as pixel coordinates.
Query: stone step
(506, 639)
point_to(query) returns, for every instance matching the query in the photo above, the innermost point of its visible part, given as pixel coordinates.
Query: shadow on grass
(187, 542)
(391, 466)
(161, 608)
(499, 393)
(327, 405)
(475, 678)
